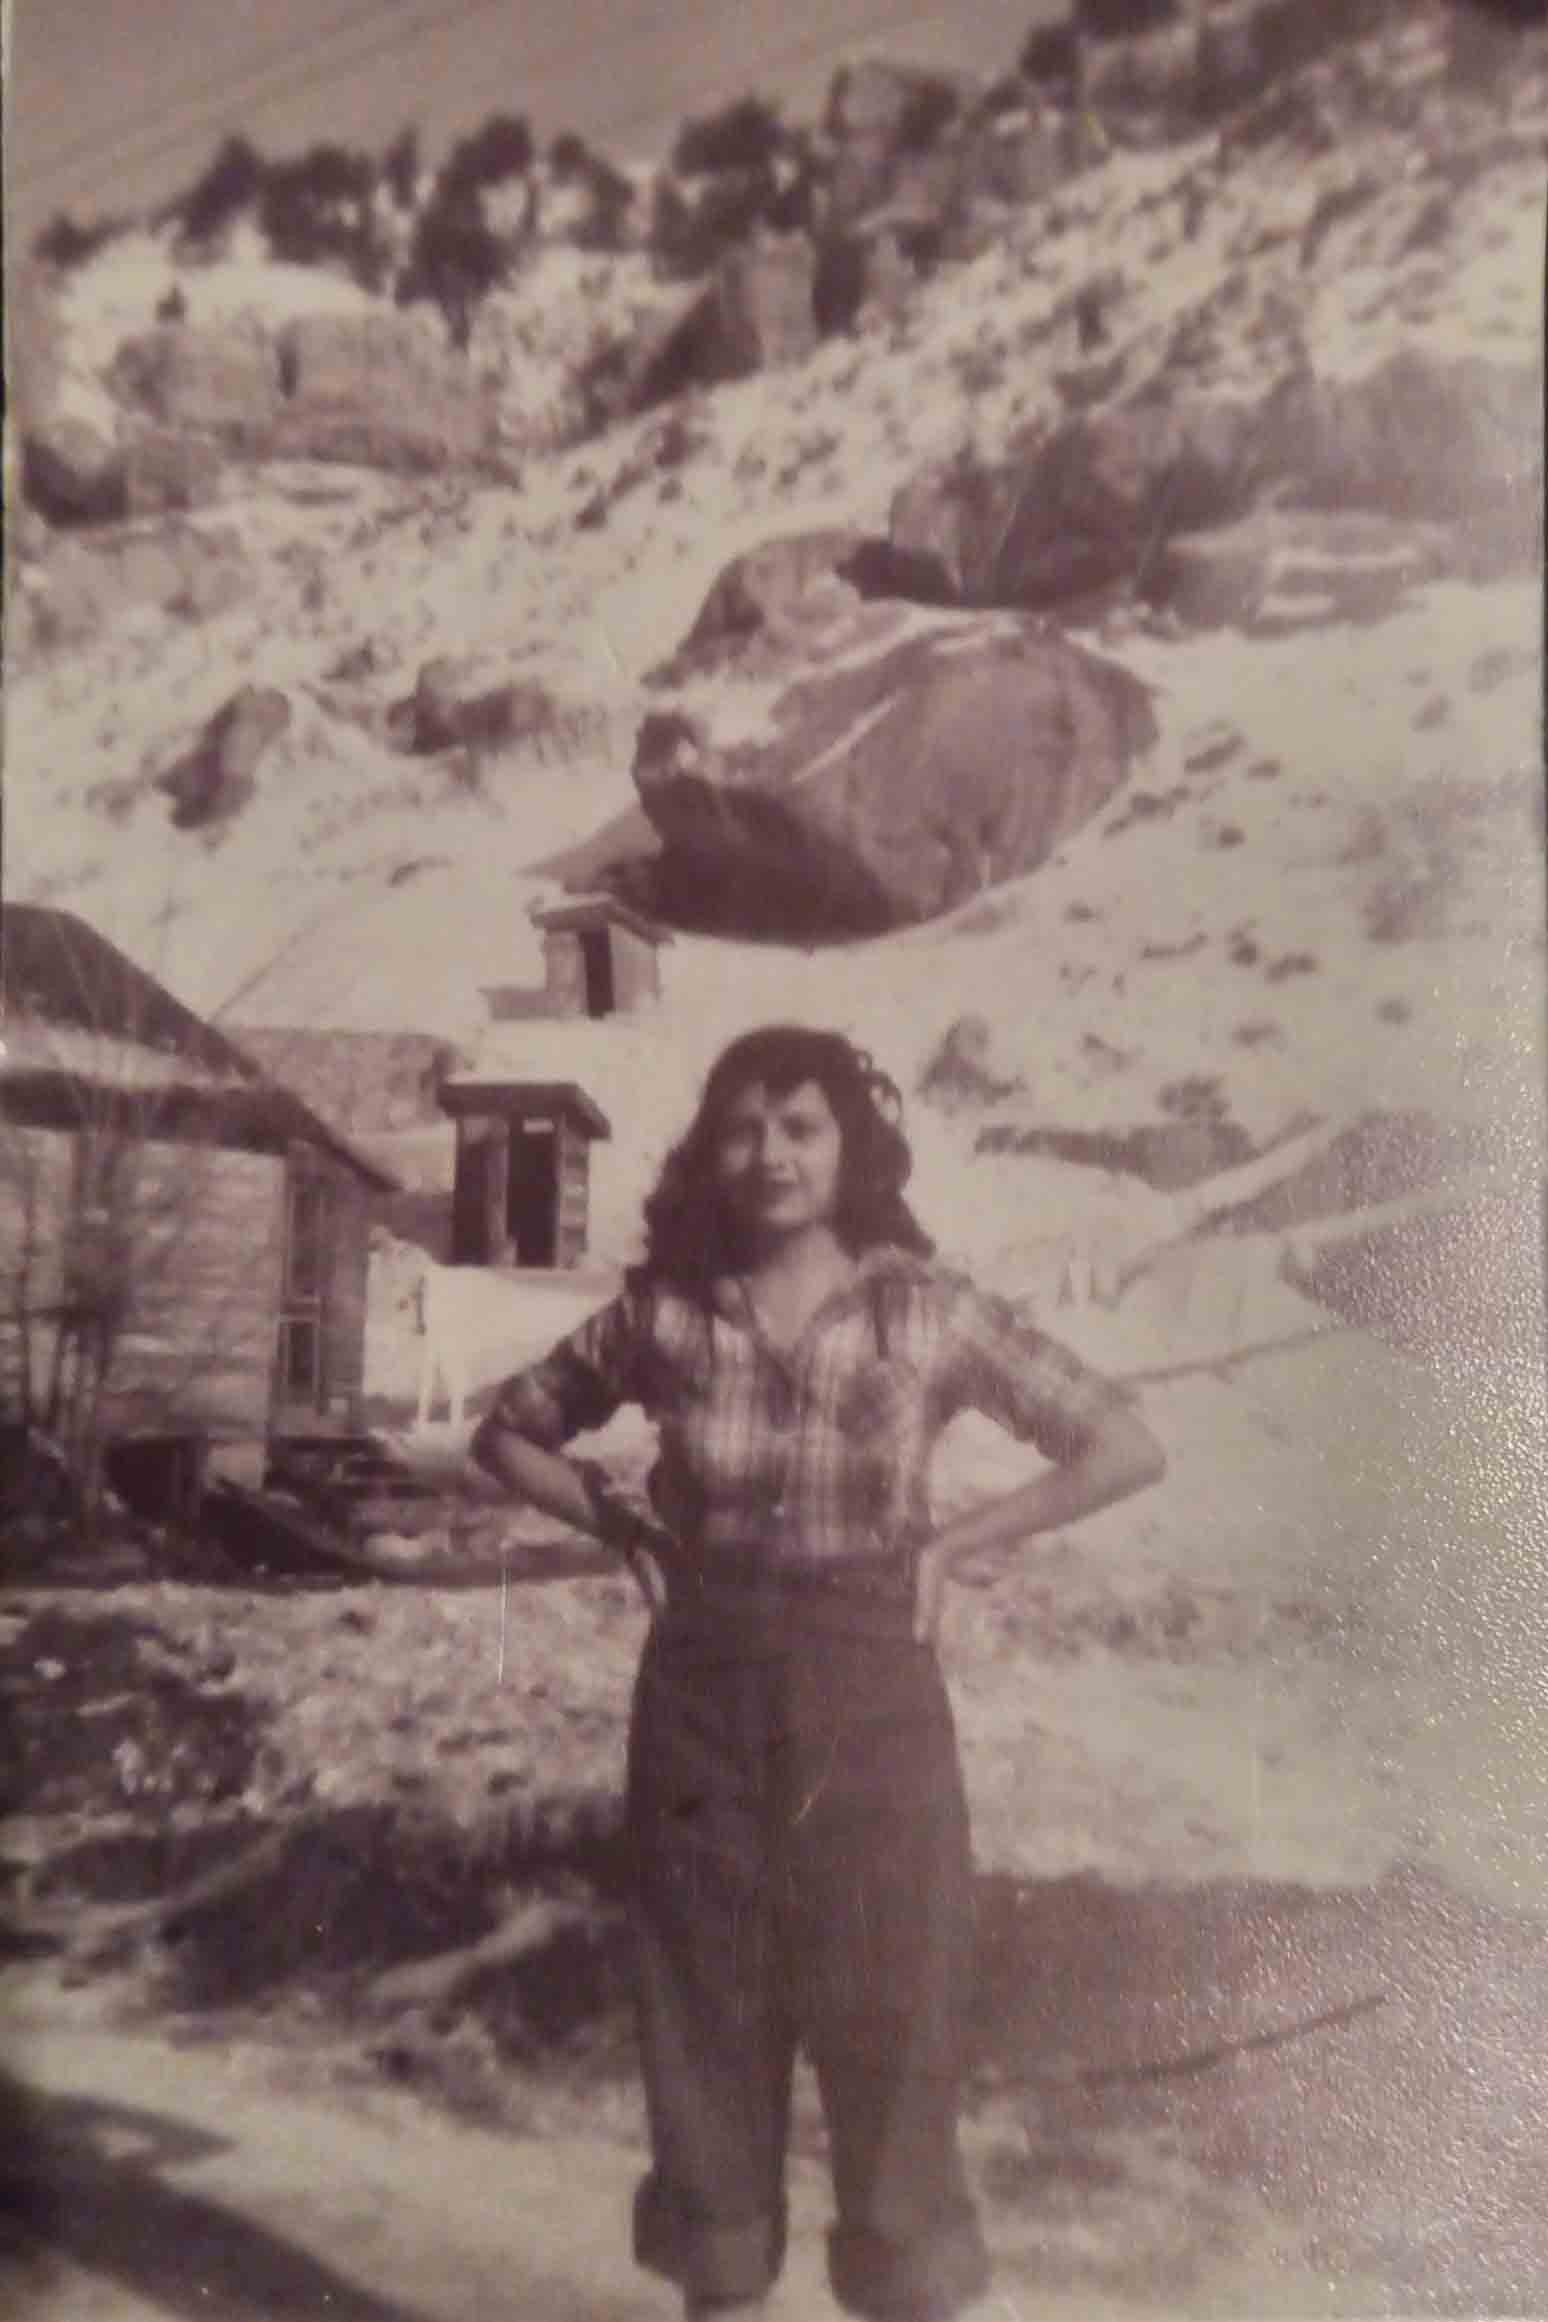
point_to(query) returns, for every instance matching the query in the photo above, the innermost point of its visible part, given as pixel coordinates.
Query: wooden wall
(636, 970)
(347, 1294)
(574, 1194)
(201, 1242)
(198, 1238)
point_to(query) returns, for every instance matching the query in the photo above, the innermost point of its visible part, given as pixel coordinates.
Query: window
(301, 1361)
(307, 1237)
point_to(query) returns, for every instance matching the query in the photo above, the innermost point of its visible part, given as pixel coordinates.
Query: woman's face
(778, 1159)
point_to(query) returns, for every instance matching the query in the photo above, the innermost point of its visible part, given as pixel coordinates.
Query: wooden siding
(200, 1236)
(347, 1296)
(480, 1189)
(574, 1191)
(636, 970)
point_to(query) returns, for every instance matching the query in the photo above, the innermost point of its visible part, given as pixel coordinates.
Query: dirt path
(181, 2182)
(1382, 2156)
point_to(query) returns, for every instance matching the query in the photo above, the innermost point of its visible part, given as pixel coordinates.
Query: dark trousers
(802, 1877)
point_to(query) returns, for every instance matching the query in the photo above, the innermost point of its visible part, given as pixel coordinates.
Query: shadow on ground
(82, 2181)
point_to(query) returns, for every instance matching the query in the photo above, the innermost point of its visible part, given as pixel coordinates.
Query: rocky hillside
(1060, 553)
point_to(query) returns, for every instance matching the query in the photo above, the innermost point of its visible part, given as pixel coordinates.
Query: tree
(139, 1231)
(501, 149)
(318, 208)
(231, 183)
(400, 167)
(744, 136)
(98, 1232)
(66, 243)
(456, 260)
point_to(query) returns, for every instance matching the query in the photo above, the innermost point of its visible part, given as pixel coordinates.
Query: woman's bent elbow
(1136, 1456)
(483, 1448)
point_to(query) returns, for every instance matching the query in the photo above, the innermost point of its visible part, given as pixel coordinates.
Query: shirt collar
(729, 1299)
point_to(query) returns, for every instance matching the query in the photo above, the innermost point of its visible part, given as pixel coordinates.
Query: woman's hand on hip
(930, 1575)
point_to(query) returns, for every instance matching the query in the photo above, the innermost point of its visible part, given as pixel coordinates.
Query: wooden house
(599, 959)
(157, 1186)
(521, 1193)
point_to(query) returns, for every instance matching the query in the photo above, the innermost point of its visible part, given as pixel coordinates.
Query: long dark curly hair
(690, 1235)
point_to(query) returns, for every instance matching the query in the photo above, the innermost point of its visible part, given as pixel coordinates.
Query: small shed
(599, 959)
(167, 1210)
(521, 1194)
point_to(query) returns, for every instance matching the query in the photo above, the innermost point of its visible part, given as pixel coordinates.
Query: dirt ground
(1263, 1912)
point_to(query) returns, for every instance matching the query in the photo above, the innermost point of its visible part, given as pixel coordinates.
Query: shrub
(930, 106)
(456, 261)
(65, 243)
(400, 167)
(1049, 52)
(745, 136)
(501, 149)
(318, 208)
(610, 193)
(1117, 19)
(232, 181)
(689, 235)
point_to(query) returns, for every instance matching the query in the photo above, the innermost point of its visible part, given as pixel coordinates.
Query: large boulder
(775, 595)
(72, 474)
(758, 313)
(1101, 495)
(892, 778)
(378, 390)
(1155, 72)
(881, 115)
(1013, 156)
(223, 383)
(764, 297)
(474, 701)
(167, 470)
(213, 779)
(1456, 439)
(1295, 568)
(954, 511)
(83, 584)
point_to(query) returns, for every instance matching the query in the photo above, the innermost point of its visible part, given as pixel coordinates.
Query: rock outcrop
(776, 593)
(217, 776)
(1346, 491)
(379, 390)
(472, 701)
(1101, 495)
(82, 584)
(757, 313)
(963, 1074)
(1291, 568)
(1452, 439)
(897, 773)
(72, 474)
(881, 115)
(205, 381)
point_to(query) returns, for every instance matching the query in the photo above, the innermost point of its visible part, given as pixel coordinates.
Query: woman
(795, 1806)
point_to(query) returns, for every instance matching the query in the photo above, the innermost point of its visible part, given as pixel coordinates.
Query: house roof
(125, 1034)
(521, 1100)
(597, 910)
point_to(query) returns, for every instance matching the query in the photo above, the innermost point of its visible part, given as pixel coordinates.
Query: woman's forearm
(1122, 1459)
(540, 1477)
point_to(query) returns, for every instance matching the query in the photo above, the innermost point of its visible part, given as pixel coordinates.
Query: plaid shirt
(820, 1451)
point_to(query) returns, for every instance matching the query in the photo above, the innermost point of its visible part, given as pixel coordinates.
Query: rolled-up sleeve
(580, 1382)
(1013, 1373)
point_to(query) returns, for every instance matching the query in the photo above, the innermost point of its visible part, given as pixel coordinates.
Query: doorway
(597, 972)
(532, 1205)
